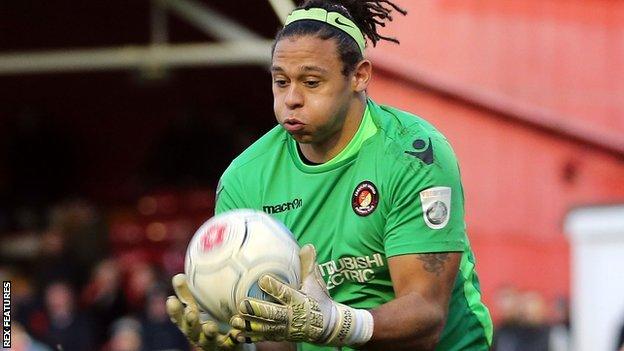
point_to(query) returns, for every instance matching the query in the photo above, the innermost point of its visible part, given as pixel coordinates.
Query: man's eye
(280, 82)
(311, 83)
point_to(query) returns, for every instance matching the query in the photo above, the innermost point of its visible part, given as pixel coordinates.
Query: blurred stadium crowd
(99, 282)
(91, 275)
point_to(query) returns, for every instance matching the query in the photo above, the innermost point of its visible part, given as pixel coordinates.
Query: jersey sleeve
(425, 206)
(228, 195)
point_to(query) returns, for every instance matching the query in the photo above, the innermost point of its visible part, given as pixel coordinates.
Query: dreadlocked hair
(368, 15)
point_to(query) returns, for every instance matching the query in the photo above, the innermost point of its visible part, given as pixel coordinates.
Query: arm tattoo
(434, 262)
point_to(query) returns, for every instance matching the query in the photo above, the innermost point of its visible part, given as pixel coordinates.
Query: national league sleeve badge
(436, 206)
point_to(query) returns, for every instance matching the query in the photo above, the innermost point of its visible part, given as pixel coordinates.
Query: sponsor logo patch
(286, 206)
(436, 206)
(353, 269)
(423, 150)
(365, 198)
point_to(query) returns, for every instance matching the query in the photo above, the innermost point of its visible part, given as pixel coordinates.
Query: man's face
(310, 94)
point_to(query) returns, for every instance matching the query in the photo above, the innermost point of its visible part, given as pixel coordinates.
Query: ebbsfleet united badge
(365, 198)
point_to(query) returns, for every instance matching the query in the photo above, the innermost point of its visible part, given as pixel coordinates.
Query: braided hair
(368, 15)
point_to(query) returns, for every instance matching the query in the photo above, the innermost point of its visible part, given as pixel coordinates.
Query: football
(230, 252)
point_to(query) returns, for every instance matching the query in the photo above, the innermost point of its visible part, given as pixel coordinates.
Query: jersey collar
(367, 129)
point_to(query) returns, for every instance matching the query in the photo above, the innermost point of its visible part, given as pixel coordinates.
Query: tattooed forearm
(434, 262)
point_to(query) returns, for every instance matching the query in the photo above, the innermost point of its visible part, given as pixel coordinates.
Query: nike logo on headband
(338, 22)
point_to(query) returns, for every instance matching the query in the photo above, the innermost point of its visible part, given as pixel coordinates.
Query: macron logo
(286, 206)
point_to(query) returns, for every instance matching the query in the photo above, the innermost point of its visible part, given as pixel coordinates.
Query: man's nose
(294, 97)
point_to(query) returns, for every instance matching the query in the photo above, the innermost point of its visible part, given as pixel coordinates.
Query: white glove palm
(305, 315)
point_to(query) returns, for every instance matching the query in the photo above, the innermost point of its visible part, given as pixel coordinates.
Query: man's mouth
(293, 125)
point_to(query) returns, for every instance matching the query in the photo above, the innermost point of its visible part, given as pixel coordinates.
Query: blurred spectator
(142, 277)
(84, 232)
(66, 326)
(536, 332)
(523, 324)
(21, 341)
(28, 310)
(125, 335)
(53, 262)
(507, 336)
(173, 257)
(158, 331)
(533, 308)
(507, 305)
(103, 297)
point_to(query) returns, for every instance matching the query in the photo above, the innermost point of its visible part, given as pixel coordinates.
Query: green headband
(332, 18)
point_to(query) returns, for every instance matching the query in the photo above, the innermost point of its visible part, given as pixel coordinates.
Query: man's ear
(361, 76)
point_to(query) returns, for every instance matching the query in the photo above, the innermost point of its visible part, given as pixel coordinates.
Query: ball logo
(213, 237)
(365, 198)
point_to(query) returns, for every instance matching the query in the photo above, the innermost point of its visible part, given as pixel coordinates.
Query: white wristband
(354, 327)
(364, 328)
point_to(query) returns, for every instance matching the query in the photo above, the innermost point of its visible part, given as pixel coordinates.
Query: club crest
(365, 198)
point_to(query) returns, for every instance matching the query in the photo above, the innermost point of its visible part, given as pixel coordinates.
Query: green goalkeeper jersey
(394, 190)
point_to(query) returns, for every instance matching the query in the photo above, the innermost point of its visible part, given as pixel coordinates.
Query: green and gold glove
(198, 328)
(305, 315)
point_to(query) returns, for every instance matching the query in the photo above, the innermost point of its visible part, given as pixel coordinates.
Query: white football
(230, 252)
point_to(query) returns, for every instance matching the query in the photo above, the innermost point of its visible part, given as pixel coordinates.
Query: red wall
(566, 56)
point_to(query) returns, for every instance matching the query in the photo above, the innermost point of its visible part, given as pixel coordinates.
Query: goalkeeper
(372, 194)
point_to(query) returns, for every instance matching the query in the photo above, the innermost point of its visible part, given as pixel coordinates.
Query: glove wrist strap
(354, 327)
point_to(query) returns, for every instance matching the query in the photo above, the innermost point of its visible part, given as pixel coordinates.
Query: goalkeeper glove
(185, 314)
(305, 315)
